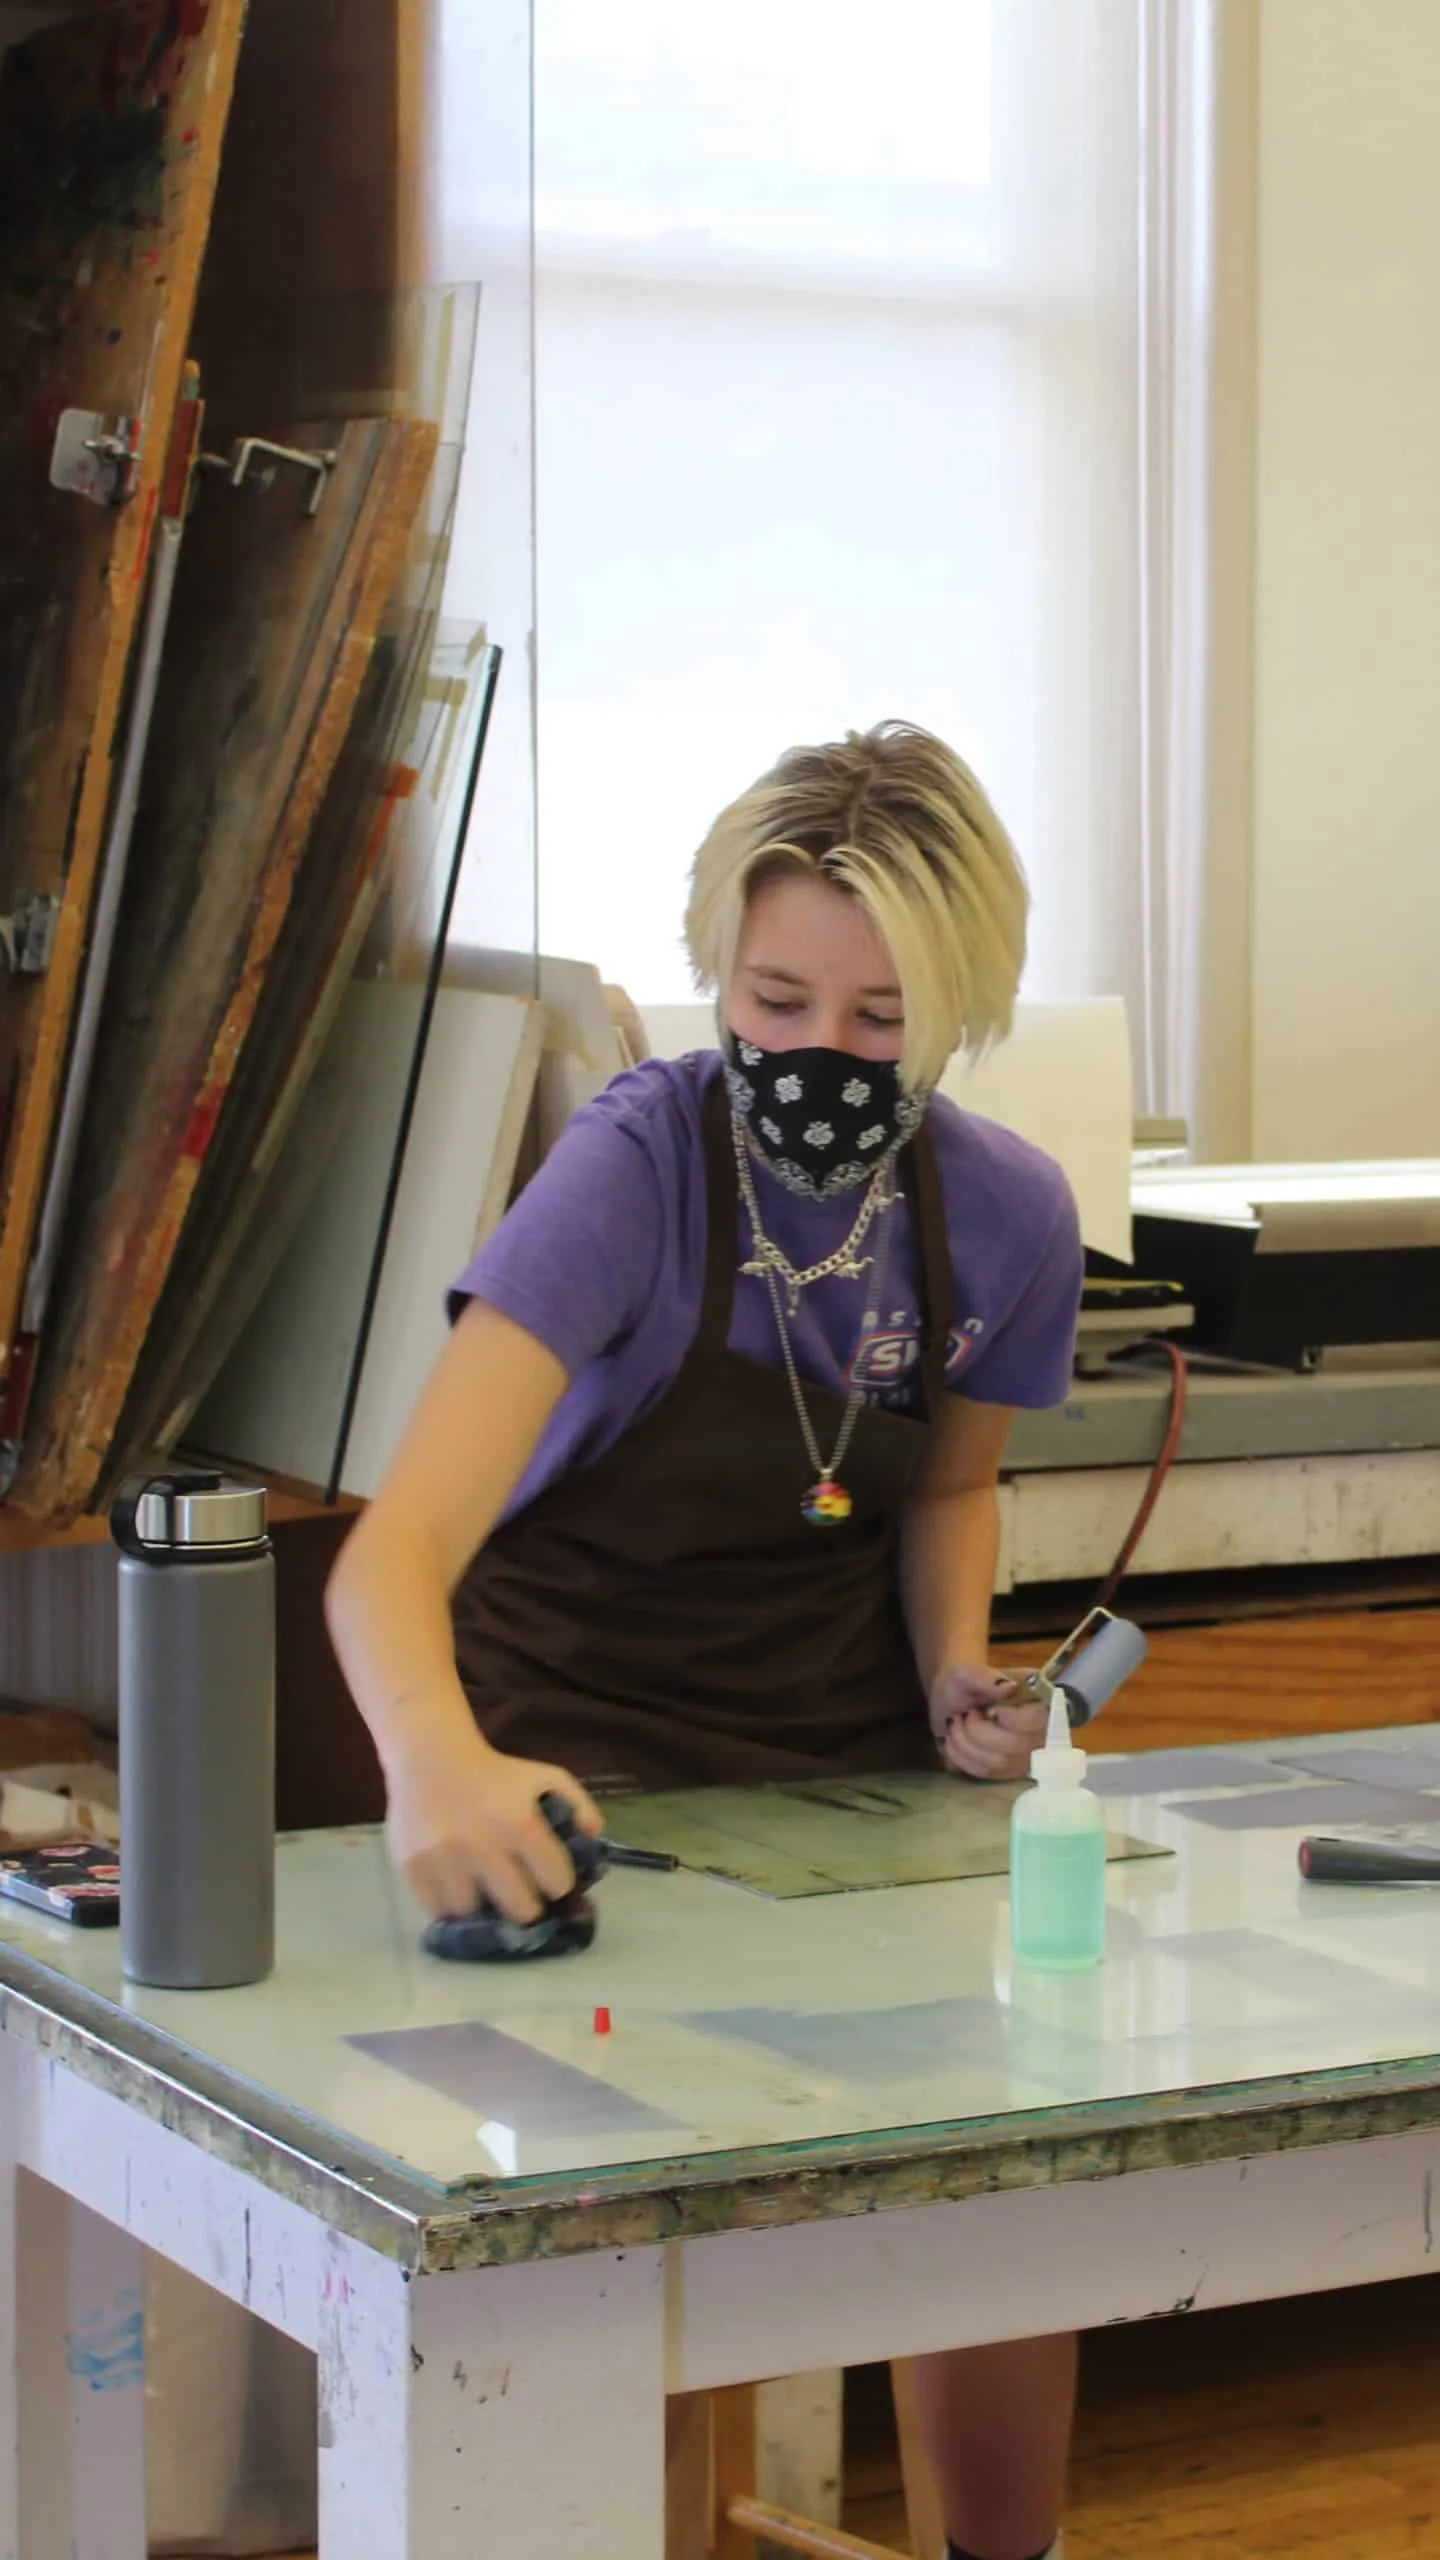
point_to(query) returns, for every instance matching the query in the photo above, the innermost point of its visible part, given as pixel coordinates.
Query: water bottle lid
(179, 1515)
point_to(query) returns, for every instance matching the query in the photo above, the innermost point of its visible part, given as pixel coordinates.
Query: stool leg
(922, 2498)
(689, 2475)
(799, 2459)
(734, 2439)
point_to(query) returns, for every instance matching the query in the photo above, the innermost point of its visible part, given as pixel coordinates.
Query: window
(837, 417)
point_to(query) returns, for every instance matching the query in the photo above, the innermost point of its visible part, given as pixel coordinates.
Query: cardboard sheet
(1063, 1080)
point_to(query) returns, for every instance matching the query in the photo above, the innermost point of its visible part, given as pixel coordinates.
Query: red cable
(1179, 1390)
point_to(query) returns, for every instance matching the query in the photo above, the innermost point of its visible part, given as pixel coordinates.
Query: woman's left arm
(949, 1548)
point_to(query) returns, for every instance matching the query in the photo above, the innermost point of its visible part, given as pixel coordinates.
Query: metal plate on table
(837, 1835)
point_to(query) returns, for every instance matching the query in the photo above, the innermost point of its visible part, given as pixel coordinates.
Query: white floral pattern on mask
(804, 1108)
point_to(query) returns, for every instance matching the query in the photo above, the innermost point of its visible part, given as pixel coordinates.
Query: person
(704, 1487)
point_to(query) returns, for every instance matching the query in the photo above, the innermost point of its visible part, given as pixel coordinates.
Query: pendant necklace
(827, 1503)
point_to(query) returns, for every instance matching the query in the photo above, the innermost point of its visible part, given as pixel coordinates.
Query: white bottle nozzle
(1058, 1762)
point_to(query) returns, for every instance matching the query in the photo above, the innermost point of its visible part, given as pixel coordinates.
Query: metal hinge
(27, 938)
(96, 457)
(252, 463)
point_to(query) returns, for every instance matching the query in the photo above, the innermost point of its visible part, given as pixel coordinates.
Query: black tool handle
(591, 1856)
(1369, 1862)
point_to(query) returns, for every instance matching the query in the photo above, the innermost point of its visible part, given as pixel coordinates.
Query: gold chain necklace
(846, 1262)
(827, 1503)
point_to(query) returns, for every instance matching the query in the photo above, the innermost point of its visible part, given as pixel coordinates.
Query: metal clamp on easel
(96, 457)
(253, 463)
(27, 937)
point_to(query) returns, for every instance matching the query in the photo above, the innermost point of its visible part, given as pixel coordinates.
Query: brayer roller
(1090, 1665)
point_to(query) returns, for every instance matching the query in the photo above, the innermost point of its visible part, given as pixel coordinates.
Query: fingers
(520, 1878)
(1031, 1722)
(511, 1884)
(544, 1860)
(586, 1811)
(459, 1844)
(443, 1882)
(450, 1878)
(968, 1688)
(978, 1746)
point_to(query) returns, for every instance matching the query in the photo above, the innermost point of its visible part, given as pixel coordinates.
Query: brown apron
(665, 1617)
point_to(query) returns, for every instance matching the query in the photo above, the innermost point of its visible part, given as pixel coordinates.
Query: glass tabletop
(744, 2025)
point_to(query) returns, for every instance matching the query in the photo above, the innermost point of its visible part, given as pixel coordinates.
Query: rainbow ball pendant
(826, 1504)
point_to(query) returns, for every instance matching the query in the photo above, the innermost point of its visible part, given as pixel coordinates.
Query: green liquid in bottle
(1057, 1893)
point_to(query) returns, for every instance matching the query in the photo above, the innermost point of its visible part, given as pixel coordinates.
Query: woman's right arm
(463, 1817)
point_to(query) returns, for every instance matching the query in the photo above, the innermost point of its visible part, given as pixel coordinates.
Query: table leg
(506, 2413)
(84, 2468)
(11, 2339)
(72, 2378)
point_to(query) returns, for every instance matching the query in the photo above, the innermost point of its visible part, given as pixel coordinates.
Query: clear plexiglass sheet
(744, 2026)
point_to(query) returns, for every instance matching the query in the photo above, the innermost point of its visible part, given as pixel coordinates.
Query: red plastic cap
(602, 2022)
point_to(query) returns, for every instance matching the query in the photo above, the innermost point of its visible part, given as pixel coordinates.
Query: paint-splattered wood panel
(110, 136)
(273, 627)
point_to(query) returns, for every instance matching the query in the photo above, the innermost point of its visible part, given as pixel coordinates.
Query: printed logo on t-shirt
(885, 1360)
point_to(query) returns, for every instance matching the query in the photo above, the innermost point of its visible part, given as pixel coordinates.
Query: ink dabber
(1370, 1861)
(1089, 1666)
(486, 1936)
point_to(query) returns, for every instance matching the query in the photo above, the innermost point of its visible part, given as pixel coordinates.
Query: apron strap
(937, 1278)
(722, 1215)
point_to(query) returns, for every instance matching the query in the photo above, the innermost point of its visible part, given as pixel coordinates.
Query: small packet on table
(74, 1880)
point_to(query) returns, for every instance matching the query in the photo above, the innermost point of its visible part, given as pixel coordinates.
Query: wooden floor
(1309, 2427)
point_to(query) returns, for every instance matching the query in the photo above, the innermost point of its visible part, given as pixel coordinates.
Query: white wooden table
(890, 2144)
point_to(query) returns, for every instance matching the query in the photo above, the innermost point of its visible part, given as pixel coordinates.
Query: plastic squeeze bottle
(1057, 1858)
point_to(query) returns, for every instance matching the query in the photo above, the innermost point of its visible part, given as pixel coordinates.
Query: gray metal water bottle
(197, 1733)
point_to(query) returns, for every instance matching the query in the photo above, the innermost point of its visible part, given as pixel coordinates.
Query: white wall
(1346, 998)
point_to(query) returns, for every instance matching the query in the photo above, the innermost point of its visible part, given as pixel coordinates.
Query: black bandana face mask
(821, 1118)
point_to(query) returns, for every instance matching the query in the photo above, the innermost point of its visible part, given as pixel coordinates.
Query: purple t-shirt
(602, 1258)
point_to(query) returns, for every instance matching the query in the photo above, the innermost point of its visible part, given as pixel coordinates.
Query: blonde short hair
(896, 818)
